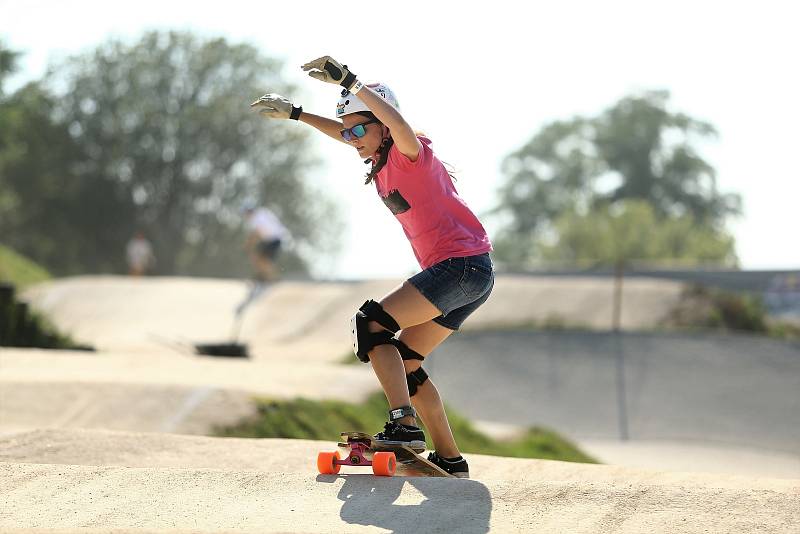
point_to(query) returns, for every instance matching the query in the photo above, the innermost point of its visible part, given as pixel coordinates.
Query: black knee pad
(364, 340)
(406, 352)
(415, 379)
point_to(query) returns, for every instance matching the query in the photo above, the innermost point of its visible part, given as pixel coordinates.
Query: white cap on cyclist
(248, 205)
(350, 103)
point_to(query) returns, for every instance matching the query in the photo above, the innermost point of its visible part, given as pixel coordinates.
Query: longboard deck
(409, 463)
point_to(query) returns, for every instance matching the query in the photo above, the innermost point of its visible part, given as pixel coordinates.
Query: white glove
(327, 69)
(275, 106)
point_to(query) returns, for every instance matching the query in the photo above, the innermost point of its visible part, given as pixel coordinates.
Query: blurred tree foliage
(630, 229)
(567, 191)
(154, 136)
(8, 62)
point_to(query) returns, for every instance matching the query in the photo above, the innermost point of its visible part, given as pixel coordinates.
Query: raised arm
(275, 106)
(329, 70)
(404, 137)
(327, 126)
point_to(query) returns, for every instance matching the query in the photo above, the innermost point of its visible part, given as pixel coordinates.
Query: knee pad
(364, 340)
(406, 352)
(415, 379)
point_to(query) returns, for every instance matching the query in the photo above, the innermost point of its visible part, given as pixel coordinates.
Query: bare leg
(388, 366)
(266, 269)
(408, 307)
(423, 339)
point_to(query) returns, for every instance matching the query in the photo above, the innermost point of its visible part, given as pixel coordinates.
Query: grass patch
(702, 308)
(19, 270)
(349, 358)
(324, 420)
(20, 326)
(782, 330)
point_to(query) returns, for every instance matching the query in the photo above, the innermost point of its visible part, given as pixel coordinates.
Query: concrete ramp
(98, 481)
(309, 321)
(157, 391)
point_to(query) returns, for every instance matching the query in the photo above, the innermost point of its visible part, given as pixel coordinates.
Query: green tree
(160, 138)
(42, 209)
(8, 64)
(35, 157)
(635, 150)
(631, 231)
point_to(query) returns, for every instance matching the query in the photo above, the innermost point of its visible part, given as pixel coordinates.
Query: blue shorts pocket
(477, 276)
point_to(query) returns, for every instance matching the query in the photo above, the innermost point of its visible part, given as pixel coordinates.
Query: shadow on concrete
(463, 506)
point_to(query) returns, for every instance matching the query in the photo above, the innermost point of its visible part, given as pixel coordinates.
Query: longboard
(361, 450)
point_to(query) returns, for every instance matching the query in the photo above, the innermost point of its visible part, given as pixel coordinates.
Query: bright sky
(482, 78)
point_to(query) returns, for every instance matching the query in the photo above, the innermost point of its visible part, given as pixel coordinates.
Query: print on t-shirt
(395, 202)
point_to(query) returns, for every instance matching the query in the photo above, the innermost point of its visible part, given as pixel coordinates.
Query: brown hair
(383, 151)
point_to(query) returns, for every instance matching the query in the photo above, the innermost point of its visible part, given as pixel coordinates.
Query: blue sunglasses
(356, 132)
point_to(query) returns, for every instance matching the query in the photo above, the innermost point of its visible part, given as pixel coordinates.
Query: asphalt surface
(716, 388)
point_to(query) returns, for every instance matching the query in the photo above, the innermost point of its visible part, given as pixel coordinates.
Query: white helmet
(350, 103)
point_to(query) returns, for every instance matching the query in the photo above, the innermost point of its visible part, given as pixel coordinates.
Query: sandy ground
(64, 469)
(99, 481)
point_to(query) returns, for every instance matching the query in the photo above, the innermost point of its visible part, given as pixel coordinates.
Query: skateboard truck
(385, 460)
(383, 463)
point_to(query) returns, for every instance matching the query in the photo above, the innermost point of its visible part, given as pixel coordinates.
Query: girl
(449, 242)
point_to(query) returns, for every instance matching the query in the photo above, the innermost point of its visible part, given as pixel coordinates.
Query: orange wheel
(384, 463)
(325, 463)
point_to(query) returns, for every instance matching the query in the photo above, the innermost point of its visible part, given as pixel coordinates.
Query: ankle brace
(403, 411)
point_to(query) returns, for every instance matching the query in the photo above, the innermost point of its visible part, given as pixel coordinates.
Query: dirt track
(169, 483)
(70, 478)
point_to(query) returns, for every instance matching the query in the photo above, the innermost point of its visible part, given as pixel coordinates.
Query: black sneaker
(399, 434)
(455, 466)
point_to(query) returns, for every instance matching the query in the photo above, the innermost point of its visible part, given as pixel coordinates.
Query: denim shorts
(269, 249)
(456, 286)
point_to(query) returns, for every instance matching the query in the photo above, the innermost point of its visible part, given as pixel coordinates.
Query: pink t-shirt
(435, 219)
